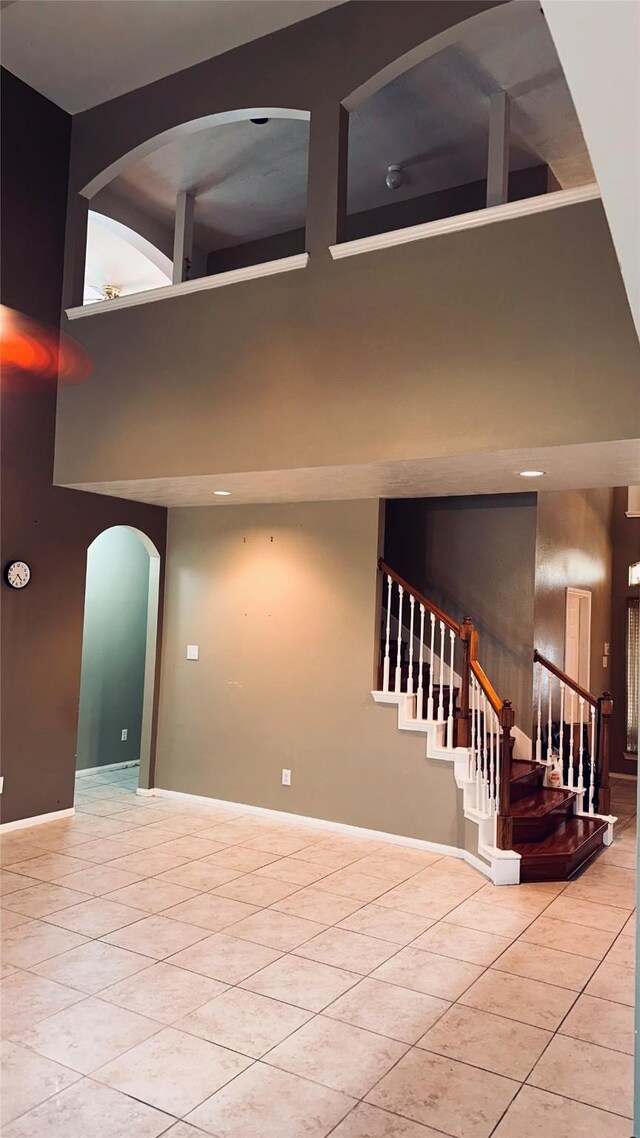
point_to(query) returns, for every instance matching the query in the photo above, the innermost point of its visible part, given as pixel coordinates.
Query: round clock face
(17, 574)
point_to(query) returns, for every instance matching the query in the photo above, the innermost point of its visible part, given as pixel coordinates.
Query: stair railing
(433, 653)
(572, 735)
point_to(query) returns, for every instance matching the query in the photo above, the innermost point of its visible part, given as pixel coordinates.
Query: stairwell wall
(282, 602)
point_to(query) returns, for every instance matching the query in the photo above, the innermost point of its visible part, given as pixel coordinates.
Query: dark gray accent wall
(475, 556)
(49, 527)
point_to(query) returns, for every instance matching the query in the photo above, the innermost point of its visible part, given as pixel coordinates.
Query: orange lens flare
(33, 356)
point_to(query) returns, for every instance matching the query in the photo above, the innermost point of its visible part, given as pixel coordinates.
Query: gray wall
(281, 600)
(573, 550)
(113, 649)
(626, 550)
(475, 556)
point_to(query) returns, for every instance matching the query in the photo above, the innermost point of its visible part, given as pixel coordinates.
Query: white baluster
(539, 717)
(420, 693)
(561, 727)
(431, 667)
(412, 605)
(387, 662)
(452, 648)
(549, 721)
(492, 759)
(497, 784)
(572, 718)
(398, 683)
(473, 755)
(441, 692)
(581, 751)
(592, 762)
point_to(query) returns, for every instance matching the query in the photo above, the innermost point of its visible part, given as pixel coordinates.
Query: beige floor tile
(244, 1021)
(276, 930)
(198, 876)
(95, 917)
(142, 815)
(92, 966)
(393, 866)
(462, 944)
(318, 1051)
(593, 1075)
(351, 882)
(629, 927)
(301, 982)
(18, 851)
(488, 918)
(565, 969)
(88, 1034)
(460, 1100)
(580, 912)
(172, 1071)
(398, 1013)
(294, 871)
(602, 892)
(527, 1001)
(99, 879)
(183, 1130)
(29, 1079)
(371, 1122)
(191, 846)
(157, 936)
(240, 857)
(243, 829)
(387, 924)
(257, 891)
(210, 911)
(89, 1109)
(517, 898)
(331, 855)
(271, 1103)
(225, 958)
(278, 842)
(343, 949)
(26, 999)
(623, 952)
(11, 882)
(164, 992)
(26, 945)
(426, 899)
(103, 850)
(613, 982)
(143, 838)
(583, 941)
(42, 899)
(11, 920)
(146, 863)
(49, 867)
(427, 972)
(316, 904)
(600, 1021)
(488, 1041)
(537, 1114)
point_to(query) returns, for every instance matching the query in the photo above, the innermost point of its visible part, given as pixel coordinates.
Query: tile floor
(182, 970)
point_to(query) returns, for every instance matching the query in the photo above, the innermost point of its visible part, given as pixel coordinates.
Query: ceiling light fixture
(531, 473)
(222, 493)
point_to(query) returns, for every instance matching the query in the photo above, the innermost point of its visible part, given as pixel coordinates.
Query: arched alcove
(117, 682)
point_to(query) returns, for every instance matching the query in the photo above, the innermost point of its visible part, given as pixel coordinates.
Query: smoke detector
(395, 177)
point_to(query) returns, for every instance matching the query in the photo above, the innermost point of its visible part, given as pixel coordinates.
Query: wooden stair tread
(566, 840)
(541, 802)
(520, 768)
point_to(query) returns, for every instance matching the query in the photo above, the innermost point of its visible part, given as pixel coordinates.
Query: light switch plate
(123, 734)
(192, 651)
(286, 777)
(1, 783)
(605, 661)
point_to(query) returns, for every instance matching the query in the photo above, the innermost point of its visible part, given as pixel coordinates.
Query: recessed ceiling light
(222, 493)
(531, 473)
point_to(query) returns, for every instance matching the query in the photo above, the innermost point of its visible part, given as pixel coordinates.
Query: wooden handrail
(421, 599)
(538, 658)
(487, 687)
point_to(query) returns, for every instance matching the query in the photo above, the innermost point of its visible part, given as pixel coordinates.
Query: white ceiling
(573, 467)
(118, 256)
(79, 53)
(250, 181)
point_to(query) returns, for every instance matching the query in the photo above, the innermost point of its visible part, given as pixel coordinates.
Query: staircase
(540, 816)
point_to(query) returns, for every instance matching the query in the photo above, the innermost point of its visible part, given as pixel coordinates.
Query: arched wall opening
(117, 682)
(222, 192)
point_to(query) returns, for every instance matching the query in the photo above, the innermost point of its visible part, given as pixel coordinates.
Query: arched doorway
(118, 655)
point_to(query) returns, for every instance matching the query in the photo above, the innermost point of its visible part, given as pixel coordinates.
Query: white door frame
(585, 632)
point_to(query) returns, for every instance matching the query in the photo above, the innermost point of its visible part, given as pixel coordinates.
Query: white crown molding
(507, 212)
(38, 820)
(202, 284)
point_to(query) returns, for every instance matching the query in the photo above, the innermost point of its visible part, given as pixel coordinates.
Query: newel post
(605, 711)
(463, 717)
(505, 823)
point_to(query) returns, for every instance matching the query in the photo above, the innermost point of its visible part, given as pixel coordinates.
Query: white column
(182, 235)
(386, 663)
(498, 155)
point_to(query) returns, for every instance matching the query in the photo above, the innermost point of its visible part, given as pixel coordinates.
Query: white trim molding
(38, 820)
(479, 217)
(184, 288)
(108, 767)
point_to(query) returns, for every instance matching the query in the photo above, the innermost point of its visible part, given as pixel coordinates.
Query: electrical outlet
(286, 777)
(123, 734)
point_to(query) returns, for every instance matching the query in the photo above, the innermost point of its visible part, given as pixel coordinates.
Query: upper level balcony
(439, 280)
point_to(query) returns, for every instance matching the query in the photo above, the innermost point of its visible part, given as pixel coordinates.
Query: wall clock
(17, 574)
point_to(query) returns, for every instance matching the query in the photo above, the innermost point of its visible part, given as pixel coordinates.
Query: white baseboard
(38, 820)
(327, 824)
(144, 793)
(107, 767)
